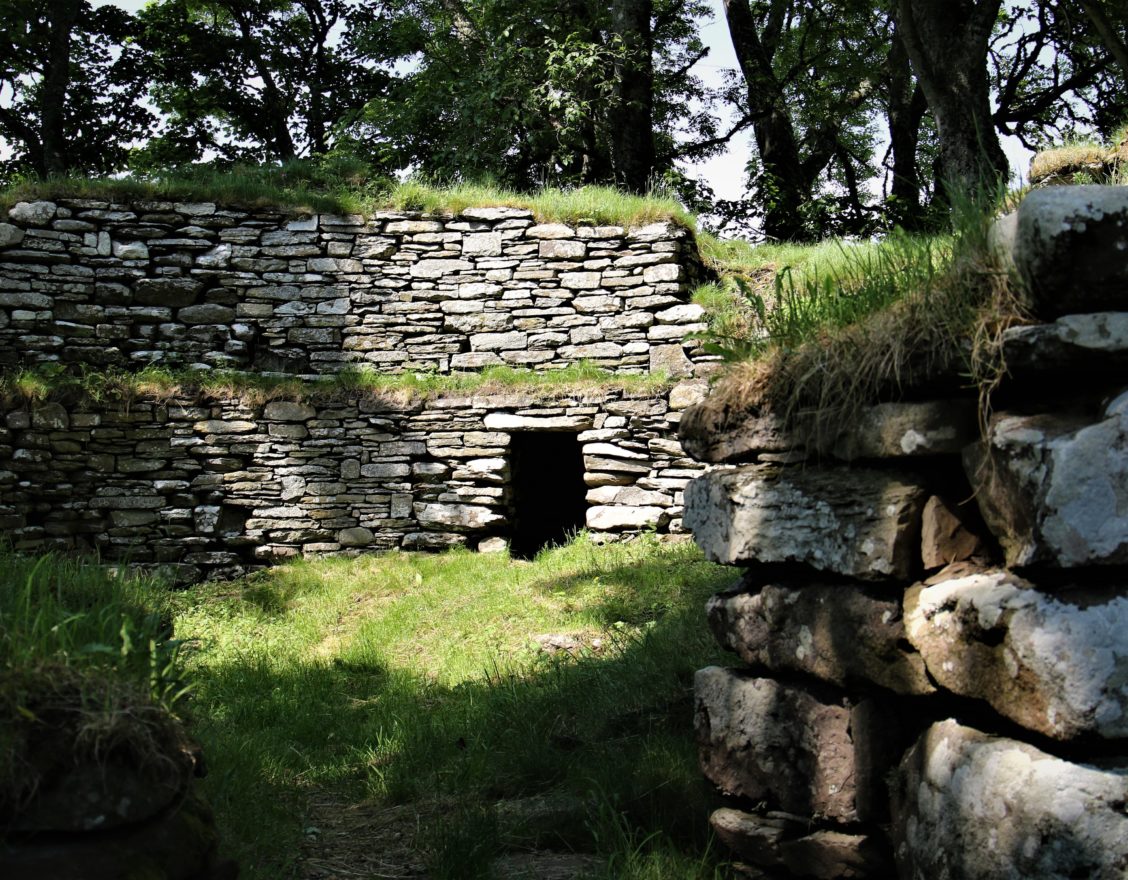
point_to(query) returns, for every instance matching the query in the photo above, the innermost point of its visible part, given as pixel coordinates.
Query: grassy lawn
(414, 685)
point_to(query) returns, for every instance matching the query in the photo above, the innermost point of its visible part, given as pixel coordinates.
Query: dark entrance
(547, 481)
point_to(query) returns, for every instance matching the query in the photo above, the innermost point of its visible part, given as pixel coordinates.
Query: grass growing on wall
(52, 382)
(347, 189)
(415, 679)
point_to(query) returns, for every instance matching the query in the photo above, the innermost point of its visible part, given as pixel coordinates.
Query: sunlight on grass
(404, 676)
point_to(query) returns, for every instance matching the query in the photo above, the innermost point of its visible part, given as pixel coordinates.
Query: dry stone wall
(95, 282)
(933, 624)
(215, 486)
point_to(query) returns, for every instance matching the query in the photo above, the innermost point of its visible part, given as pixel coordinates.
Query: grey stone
(499, 341)
(841, 633)
(562, 249)
(501, 421)
(439, 268)
(897, 430)
(50, 417)
(459, 517)
(174, 292)
(721, 434)
(550, 230)
(1054, 490)
(663, 272)
(355, 537)
(615, 518)
(131, 250)
(288, 411)
(206, 313)
(1055, 664)
(580, 280)
(501, 213)
(1071, 344)
(33, 213)
(671, 360)
(413, 227)
(858, 523)
(684, 314)
(969, 806)
(481, 244)
(1071, 249)
(10, 235)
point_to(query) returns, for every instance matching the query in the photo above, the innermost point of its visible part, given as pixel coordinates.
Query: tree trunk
(947, 43)
(906, 111)
(632, 129)
(783, 186)
(56, 81)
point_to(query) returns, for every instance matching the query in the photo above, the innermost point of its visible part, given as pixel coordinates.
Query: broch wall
(214, 486)
(932, 622)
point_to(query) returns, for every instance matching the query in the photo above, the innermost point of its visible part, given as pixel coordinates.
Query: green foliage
(414, 678)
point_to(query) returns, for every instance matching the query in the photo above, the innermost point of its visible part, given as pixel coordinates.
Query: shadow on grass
(614, 732)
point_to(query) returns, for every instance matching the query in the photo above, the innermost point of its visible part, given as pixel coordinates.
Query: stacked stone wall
(216, 487)
(178, 284)
(932, 624)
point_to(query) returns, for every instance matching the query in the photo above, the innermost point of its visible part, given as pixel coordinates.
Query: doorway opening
(548, 491)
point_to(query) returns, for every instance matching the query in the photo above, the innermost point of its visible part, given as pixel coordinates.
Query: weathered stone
(457, 516)
(288, 411)
(671, 360)
(580, 280)
(206, 313)
(50, 417)
(562, 249)
(493, 545)
(616, 518)
(687, 394)
(355, 537)
(628, 496)
(502, 213)
(1054, 490)
(895, 430)
(663, 272)
(174, 292)
(130, 250)
(33, 213)
(782, 841)
(790, 748)
(944, 537)
(1072, 344)
(1055, 664)
(482, 244)
(1071, 249)
(499, 341)
(439, 268)
(843, 634)
(10, 235)
(550, 230)
(968, 806)
(413, 227)
(222, 426)
(719, 434)
(857, 522)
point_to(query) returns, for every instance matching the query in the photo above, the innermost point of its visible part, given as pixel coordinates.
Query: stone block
(33, 213)
(206, 313)
(1052, 488)
(671, 360)
(1056, 664)
(615, 518)
(854, 522)
(791, 748)
(502, 421)
(968, 806)
(288, 411)
(550, 231)
(355, 537)
(1091, 343)
(171, 292)
(842, 633)
(458, 517)
(1071, 249)
(899, 430)
(439, 268)
(10, 236)
(499, 341)
(562, 249)
(481, 244)
(580, 280)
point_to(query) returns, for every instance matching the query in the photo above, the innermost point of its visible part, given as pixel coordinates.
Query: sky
(725, 172)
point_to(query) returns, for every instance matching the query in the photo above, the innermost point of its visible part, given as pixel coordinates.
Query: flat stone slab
(906, 430)
(968, 806)
(1055, 664)
(719, 435)
(1072, 343)
(854, 522)
(843, 634)
(1053, 489)
(1071, 249)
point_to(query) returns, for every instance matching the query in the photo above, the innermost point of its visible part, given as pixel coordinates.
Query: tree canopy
(861, 113)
